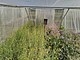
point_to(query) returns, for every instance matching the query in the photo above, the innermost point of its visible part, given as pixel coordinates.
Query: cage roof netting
(42, 3)
(28, 3)
(67, 4)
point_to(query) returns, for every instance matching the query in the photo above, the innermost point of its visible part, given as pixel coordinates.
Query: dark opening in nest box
(45, 21)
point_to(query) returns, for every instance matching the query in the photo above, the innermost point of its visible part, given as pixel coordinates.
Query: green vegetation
(64, 47)
(29, 43)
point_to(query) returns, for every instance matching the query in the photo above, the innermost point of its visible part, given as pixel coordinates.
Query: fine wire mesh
(45, 14)
(72, 20)
(67, 3)
(11, 19)
(40, 3)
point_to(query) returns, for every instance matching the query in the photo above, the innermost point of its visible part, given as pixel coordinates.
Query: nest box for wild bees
(45, 21)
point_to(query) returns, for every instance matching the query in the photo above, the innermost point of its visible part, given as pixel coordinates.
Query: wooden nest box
(45, 21)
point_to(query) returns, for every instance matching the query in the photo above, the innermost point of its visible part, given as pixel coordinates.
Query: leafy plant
(63, 47)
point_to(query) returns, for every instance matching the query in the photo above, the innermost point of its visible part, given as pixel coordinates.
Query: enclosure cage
(12, 18)
(39, 30)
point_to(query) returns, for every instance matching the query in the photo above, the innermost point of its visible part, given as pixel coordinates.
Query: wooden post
(45, 23)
